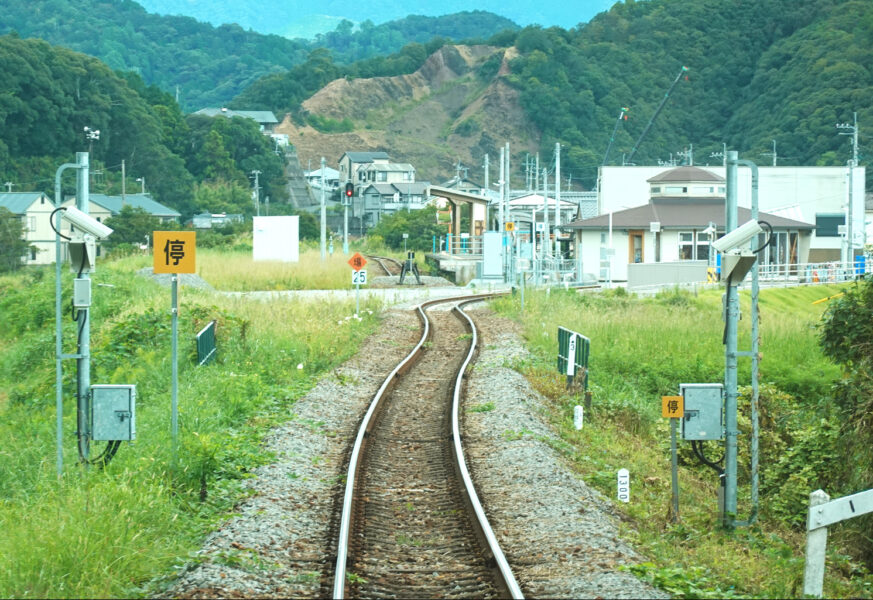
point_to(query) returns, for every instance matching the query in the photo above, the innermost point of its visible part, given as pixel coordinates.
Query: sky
(304, 18)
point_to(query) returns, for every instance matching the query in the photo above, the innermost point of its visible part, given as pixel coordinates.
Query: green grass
(107, 533)
(644, 348)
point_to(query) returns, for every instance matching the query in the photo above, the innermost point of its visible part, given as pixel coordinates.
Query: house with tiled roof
(34, 209)
(102, 206)
(684, 215)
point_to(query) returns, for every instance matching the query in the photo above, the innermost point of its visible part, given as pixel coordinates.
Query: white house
(684, 213)
(331, 178)
(34, 209)
(816, 195)
(351, 165)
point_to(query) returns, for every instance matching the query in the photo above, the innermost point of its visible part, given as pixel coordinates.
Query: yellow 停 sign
(510, 226)
(175, 251)
(672, 407)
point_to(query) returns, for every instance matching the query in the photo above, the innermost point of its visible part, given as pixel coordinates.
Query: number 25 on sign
(359, 277)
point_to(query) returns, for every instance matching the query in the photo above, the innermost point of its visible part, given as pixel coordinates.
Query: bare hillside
(432, 118)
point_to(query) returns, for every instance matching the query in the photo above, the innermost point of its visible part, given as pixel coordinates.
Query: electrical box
(81, 293)
(704, 410)
(113, 412)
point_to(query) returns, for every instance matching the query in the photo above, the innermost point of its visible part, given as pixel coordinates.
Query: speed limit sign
(359, 277)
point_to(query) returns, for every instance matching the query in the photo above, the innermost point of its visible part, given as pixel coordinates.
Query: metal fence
(811, 273)
(467, 245)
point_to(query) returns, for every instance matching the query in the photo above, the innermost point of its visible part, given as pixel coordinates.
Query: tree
(12, 243)
(133, 225)
(421, 225)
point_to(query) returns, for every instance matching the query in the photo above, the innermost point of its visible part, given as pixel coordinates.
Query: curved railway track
(411, 522)
(390, 266)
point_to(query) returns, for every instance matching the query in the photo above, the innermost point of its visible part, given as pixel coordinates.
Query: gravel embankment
(560, 536)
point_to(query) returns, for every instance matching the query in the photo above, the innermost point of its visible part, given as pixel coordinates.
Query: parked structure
(34, 209)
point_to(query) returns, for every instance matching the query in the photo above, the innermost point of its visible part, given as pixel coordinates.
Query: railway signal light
(350, 189)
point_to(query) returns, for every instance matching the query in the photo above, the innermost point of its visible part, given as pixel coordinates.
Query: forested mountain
(300, 18)
(210, 65)
(48, 95)
(758, 71)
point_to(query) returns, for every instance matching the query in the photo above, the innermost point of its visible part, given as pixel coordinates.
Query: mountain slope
(440, 114)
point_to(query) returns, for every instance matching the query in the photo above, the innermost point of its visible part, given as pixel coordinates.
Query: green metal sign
(206, 344)
(573, 351)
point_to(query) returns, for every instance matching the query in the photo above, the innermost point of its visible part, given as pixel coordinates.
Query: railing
(461, 245)
(811, 273)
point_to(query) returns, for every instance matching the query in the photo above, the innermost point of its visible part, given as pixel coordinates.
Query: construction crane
(622, 116)
(633, 151)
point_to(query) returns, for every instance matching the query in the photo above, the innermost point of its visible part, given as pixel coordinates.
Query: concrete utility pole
(257, 194)
(547, 240)
(123, 183)
(487, 168)
(323, 215)
(850, 241)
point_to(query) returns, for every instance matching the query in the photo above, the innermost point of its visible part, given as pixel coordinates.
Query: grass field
(107, 532)
(644, 348)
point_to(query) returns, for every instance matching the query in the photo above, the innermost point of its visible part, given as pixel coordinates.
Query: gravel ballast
(560, 536)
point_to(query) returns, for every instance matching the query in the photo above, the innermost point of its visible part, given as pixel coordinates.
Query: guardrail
(464, 245)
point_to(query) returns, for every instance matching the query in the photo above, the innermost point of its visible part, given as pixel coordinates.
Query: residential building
(816, 195)
(34, 209)
(387, 173)
(685, 212)
(265, 119)
(376, 200)
(102, 207)
(331, 178)
(210, 220)
(352, 163)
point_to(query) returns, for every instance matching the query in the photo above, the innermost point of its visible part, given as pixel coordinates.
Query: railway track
(411, 523)
(389, 266)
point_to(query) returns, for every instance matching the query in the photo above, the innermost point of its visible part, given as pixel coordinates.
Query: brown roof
(685, 175)
(673, 215)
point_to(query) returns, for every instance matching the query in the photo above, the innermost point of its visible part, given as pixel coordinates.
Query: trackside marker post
(175, 252)
(359, 276)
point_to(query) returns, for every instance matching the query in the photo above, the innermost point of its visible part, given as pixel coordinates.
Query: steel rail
(483, 528)
(506, 578)
(381, 260)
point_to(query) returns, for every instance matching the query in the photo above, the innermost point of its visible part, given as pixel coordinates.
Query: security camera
(79, 219)
(738, 237)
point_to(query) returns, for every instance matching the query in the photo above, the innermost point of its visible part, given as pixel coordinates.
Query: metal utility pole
(557, 194)
(732, 313)
(323, 215)
(622, 116)
(633, 151)
(500, 215)
(257, 194)
(83, 362)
